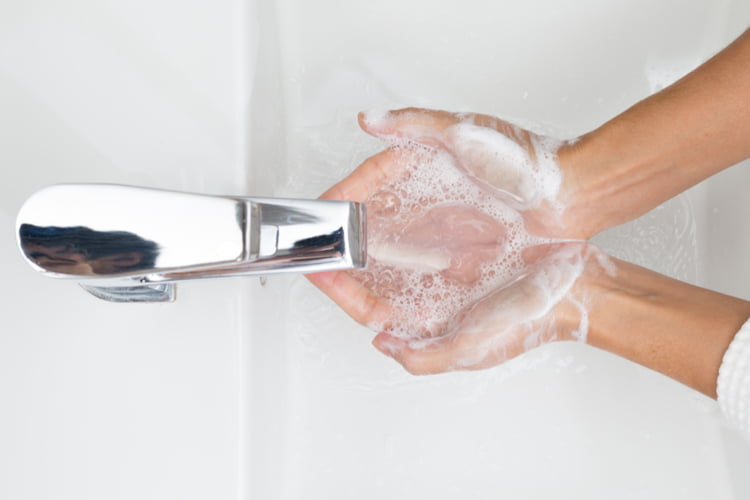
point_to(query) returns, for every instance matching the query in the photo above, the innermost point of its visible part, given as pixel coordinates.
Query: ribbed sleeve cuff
(733, 384)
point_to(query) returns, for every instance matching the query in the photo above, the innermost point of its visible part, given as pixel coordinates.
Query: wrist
(607, 181)
(677, 329)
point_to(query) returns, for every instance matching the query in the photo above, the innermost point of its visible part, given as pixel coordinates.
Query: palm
(454, 232)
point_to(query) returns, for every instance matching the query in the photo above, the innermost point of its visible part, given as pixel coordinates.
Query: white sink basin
(250, 390)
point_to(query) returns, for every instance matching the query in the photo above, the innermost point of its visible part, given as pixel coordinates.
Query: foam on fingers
(427, 263)
(448, 241)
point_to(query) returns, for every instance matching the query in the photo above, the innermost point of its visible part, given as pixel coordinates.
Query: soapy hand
(466, 268)
(656, 149)
(524, 169)
(540, 305)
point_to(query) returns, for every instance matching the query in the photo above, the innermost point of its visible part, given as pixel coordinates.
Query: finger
(465, 352)
(498, 327)
(424, 126)
(432, 355)
(372, 174)
(357, 301)
(415, 361)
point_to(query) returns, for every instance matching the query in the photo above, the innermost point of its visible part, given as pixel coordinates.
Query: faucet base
(158, 292)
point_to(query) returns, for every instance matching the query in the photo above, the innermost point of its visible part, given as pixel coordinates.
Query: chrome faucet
(131, 244)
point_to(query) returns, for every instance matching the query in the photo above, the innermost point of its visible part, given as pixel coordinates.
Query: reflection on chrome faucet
(82, 251)
(131, 244)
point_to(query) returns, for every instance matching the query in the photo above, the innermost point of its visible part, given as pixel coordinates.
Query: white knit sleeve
(733, 384)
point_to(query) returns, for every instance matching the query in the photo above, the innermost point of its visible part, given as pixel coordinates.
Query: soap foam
(375, 116)
(426, 286)
(519, 165)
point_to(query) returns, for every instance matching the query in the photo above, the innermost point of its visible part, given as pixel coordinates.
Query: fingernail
(322, 279)
(387, 344)
(374, 117)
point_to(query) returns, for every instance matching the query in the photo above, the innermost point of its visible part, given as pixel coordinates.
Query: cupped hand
(542, 304)
(466, 263)
(533, 174)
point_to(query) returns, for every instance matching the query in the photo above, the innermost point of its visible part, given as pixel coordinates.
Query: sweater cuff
(733, 384)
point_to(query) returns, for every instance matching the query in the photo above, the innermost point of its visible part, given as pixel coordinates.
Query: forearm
(664, 144)
(677, 329)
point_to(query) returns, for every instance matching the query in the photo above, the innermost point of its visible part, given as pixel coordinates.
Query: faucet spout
(131, 244)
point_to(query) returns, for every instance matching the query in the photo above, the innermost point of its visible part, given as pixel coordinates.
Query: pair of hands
(552, 285)
(473, 258)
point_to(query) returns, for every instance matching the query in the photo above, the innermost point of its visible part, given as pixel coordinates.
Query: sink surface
(262, 388)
